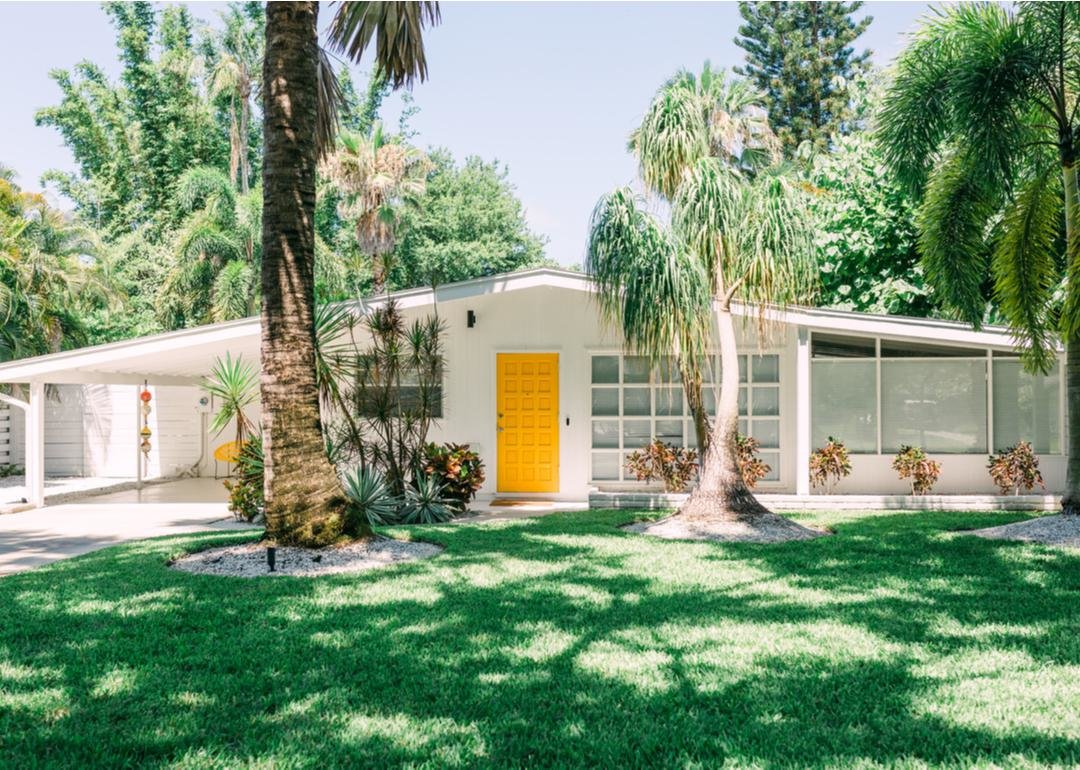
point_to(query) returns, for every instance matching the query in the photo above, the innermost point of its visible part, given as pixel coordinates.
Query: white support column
(138, 438)
(802, 413)
(35, 446)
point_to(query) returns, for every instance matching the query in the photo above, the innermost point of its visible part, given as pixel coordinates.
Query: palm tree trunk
(695, 403)
(1070, 500)
(304, 501)
(721, 493)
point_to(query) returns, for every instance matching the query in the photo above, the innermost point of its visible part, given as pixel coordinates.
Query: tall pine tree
(799, 54)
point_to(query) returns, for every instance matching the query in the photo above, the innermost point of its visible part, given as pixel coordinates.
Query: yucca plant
(370, 498)
(235, 385)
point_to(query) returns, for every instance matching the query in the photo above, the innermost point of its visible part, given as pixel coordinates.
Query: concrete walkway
(32, 538)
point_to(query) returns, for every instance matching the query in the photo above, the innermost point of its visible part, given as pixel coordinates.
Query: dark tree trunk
(695, 403)
(304, 501)
(721, 493)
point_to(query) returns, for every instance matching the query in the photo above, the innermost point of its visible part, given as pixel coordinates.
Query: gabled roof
(182, 357)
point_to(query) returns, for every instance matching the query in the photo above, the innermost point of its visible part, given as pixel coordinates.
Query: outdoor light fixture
(471, 319)
(271, 557)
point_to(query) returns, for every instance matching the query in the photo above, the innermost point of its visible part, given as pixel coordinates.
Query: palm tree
(234, 75)
(376, 176)
(304, 500)
(982, 121)
(737, 234)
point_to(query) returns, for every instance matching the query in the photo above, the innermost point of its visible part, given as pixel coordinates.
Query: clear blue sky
(551, 89)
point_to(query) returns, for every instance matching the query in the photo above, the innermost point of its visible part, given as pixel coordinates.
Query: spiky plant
(370, 497)
(235, 384)
(982, 121)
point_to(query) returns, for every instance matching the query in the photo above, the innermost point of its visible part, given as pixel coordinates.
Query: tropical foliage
(738, 232)
(829, 464)
(1016, 468)
(661, 461)
(458, 468)
(912, 463)
(982, 122)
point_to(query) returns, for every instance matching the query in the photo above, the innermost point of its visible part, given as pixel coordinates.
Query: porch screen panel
(1027, 407)
(844, 404)
(938, 405)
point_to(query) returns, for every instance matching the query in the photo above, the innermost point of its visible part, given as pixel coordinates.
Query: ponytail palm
(983, 121)
(737, 234)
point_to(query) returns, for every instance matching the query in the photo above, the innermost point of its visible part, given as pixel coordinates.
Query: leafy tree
(45, 284)
(235, 67)
(799, 55)
(738, 233)
(214, 255)
(983, 121)
(865, 232)
(467, 223)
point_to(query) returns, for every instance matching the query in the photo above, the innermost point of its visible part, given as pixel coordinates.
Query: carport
(180, 358)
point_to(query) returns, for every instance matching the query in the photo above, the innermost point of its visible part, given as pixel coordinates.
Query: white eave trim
(87, 363)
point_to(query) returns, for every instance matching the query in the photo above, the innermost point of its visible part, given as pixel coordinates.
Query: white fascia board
(136, 355)
(894, 327)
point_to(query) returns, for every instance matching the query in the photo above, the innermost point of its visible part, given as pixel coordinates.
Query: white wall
(91, 430)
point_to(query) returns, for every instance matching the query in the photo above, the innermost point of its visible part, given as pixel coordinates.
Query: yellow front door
(528, 422)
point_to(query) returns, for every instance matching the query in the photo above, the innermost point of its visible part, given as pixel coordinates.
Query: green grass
(558, 641)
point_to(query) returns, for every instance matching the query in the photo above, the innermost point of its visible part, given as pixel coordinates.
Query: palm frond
(398, 31)
(952, 235)
(1023, 265)
(233, 291)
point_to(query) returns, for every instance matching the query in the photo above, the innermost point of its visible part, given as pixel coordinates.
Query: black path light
(271, 557)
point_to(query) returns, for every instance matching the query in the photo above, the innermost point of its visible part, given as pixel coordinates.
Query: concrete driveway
(32, 538)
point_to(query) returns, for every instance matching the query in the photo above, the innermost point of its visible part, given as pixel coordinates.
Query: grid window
(632, 404)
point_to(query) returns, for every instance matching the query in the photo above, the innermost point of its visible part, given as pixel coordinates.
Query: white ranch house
(545, 393)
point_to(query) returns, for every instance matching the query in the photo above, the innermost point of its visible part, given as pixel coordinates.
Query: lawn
(559, 641)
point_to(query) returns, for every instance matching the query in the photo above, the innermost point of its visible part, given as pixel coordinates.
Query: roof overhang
(185, 357)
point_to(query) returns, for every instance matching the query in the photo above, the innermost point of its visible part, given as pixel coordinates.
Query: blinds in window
(1026, 407)
(937, 405)
(844, 396)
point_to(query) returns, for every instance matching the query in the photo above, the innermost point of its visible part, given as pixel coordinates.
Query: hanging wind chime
(145, 432)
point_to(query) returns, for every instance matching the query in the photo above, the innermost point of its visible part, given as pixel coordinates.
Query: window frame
(988, 357)
(773, 455)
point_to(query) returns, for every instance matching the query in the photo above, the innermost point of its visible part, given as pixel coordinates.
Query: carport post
(802, 412)
(138, 438)
(35, 446)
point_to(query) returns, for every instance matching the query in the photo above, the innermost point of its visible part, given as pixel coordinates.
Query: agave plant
(370, 498)
(425, 501)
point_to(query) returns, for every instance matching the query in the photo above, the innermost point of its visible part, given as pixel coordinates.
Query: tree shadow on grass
(554, 641)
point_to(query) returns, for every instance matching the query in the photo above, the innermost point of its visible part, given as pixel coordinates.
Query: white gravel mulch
(249, 560)
(760, 528)
(1049, 530)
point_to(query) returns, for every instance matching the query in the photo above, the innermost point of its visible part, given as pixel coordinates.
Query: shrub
(753, 468)
(829, 464)
(673, 465)
(370, 499)
(246, 491)
(459, 469)
(1016, 467)
(425, 501)
(912, 463)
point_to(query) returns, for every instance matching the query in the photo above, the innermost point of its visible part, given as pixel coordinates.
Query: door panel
(527, 402)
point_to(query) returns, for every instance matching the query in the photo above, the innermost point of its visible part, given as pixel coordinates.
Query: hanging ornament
(145, 397)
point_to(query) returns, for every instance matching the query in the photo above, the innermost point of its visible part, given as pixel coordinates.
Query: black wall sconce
(470, 319)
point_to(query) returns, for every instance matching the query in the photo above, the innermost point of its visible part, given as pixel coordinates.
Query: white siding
(91, 430)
